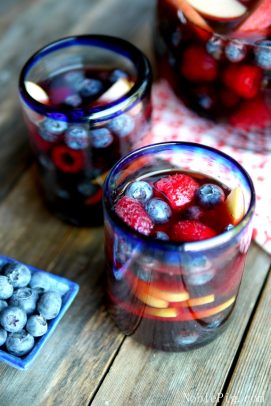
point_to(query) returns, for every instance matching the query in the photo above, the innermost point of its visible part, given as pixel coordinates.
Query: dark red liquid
(169, 300)
(74, 158)
(221, 78)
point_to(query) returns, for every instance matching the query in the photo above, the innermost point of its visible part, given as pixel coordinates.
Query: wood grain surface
(87, 360)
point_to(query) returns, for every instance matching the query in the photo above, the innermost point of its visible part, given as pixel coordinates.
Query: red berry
(252, 113)
(198, 65)
(191, 230)
(244, 80)
(179, 189)
(133, 214)
(67, 160)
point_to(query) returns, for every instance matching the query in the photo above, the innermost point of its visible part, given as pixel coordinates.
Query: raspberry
(133, 214)
(198, 65)
(252, 113)
(191, 230)
(244, 80)
(179, 189)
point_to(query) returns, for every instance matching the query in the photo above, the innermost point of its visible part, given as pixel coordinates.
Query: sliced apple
(163, 313)
(214, 310)
(199, 301)
(164, 295)
(191, 14)
(36, 92)
(226, 9)
(117, 90)
(235, 204)
(151, 300)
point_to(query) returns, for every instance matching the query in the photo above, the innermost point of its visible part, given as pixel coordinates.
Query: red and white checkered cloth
(173, 121)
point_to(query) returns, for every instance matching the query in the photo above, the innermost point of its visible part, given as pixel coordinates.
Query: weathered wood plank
(79, 352)
(34, 26)
(250, 383)
(141, 376)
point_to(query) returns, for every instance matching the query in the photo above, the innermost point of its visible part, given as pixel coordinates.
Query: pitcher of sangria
(216, 55)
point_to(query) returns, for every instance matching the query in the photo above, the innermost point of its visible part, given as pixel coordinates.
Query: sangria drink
(177, 229)
(216, 60)
(86, 101)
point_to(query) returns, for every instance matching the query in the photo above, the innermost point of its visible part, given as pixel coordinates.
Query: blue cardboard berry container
(68, 290)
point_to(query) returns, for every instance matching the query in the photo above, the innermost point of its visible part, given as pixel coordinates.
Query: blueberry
(74, 78)
(3, 305)
(20, 343)
(229, 227)
(140, 190)
(77, 138)
(210, 195)
(199, 271)
(87, 189)
(3, 336)
(36, 325)
(214, 47)
(235, 51)
(160, 235)
(19, 275)
(263, 54)
(25, 298)
(49, 305)
(101, 138)
(90, 87)
(118, 74)
(50, 129)
(158, 210)
(13, 319)
(122, 125)
(192, 213)
(40, 282)
(6, 288)
(74, 100)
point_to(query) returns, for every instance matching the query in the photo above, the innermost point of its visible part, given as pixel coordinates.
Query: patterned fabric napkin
(172, 121)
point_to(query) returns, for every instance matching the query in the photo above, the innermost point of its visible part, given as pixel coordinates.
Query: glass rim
(137, 92)
(201, 245)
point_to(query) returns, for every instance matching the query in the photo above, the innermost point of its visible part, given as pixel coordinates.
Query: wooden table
(87, 360)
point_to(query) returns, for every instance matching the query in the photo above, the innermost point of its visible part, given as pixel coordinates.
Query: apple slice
(169, 313)
(214, 310)
(214, 9)
(36, 92)
(191, 14)
(151, 300)
(164, 295)
(199, 301)
(117, 90)
(235, 204)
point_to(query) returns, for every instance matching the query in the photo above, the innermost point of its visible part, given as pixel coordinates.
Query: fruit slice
(191, 14)
(199, 301)
(191, 230)
(133, 214)
(36, 92)
(151, 300)
(235, 203)
(143, 288)
(226, 9)
(214, 310)
(163, 313)
(117, 90)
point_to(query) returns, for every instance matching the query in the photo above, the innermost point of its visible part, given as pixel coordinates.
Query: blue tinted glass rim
(187, 246)
(139, 90)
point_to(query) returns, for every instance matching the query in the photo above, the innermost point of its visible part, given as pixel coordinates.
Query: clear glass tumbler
(168, 295)
(86, 101)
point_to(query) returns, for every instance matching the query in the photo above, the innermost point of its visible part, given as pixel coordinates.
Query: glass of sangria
(86, 101)
(177, 230)
(217, 57)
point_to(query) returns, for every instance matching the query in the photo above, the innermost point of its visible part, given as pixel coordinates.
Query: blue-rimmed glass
(168, 295)
(86, 142)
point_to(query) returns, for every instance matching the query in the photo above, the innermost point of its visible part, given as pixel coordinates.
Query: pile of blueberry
(28, 301)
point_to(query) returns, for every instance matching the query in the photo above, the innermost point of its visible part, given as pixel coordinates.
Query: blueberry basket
(61, 286)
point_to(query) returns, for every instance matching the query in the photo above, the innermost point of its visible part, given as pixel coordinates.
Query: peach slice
(225, 10)
(151, 300)
(164, 295)
(235, 204)
(191, 14)
(117, 90)
(36, 92)
(214, 310)
(199, 301)
(169, 313)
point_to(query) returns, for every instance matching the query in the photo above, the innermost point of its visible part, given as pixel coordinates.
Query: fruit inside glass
(218, 63)
(177, 230)
(86, 101)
